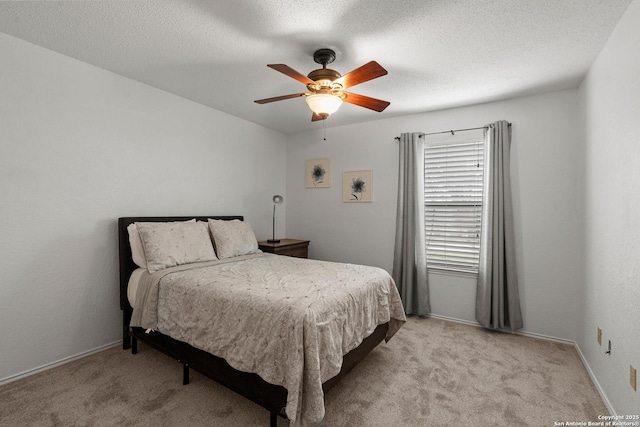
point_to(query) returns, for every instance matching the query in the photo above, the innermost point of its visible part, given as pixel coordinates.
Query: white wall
(80, 147)
(546, 176)
(610, 98)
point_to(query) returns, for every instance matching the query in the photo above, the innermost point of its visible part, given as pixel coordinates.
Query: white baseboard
(524, 333)
(546, 337)
(60, 362)
(454, 320)
(594, 380)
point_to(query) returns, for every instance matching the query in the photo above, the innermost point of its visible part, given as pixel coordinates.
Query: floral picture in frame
(317, 173)
(357, 186)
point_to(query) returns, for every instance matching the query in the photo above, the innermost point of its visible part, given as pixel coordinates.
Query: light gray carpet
(432, 373)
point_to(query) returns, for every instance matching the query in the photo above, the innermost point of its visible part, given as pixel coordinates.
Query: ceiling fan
(326, 87)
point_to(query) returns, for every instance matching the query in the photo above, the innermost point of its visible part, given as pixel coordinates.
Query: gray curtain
(410, 258)
(497, 300)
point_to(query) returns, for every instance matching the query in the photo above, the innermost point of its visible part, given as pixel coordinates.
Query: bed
(277, 330)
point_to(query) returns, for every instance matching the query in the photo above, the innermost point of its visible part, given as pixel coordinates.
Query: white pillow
(233, 238)
(137, 250)
(167, 244)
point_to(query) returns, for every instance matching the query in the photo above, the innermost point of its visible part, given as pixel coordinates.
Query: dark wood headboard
(126, 261)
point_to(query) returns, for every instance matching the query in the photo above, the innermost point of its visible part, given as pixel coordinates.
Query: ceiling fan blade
(315, 117)
(285, 69)
(366, 102)
(369, 71)
(279, 98)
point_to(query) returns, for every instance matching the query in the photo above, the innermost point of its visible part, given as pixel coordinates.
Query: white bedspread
(289, 320)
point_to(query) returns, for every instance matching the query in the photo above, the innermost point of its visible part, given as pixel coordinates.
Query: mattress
(132, 286)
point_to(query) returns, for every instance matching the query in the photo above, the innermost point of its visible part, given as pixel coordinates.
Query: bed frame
(271, 397)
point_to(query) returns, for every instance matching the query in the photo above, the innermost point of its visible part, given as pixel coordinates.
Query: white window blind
(453, 204)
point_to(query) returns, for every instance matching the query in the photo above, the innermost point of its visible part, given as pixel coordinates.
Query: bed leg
(134, 345)
(185, 373)
(273, 419)
(126, 338)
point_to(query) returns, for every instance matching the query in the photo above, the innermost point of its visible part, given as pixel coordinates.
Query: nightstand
(288, 247)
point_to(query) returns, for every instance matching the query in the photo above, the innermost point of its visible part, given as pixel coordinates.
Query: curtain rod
(452, 131)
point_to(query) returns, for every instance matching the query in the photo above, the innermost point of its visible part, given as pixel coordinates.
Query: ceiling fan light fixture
(323, 104)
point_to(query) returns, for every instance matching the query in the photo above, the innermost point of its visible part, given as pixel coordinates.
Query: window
(453, 204)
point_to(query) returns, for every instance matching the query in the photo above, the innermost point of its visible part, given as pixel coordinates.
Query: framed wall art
(357, 186)
(317, 173)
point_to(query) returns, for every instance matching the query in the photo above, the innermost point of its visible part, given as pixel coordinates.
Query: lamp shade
(324, 104)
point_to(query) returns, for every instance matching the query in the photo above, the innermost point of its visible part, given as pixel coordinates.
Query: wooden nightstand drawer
(288, 247)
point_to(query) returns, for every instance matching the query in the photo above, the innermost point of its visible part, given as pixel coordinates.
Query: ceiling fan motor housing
(323, 77)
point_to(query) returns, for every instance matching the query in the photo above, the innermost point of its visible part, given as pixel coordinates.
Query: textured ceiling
(439, 53)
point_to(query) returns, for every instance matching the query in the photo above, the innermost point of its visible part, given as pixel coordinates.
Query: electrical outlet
(632, 377)
(599, 335)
